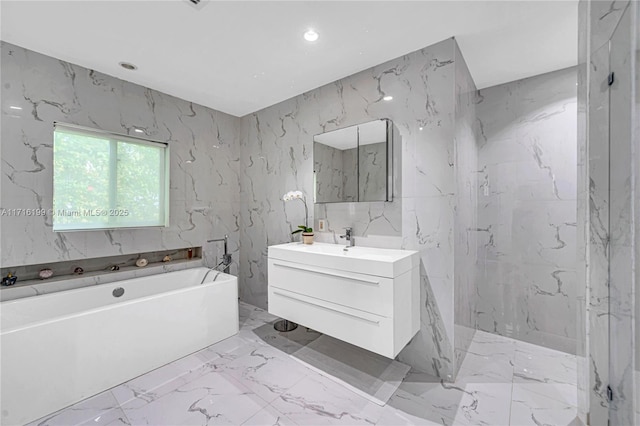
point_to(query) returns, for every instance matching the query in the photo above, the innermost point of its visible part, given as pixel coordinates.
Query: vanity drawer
(367, 293)
(363, 329)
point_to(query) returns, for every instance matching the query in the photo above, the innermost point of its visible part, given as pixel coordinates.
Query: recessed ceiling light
(421, 128)
(15, 107)
(311, 35)
(128, 66)
(387, 98)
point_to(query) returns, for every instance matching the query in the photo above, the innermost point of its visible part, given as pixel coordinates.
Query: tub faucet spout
(226, 258)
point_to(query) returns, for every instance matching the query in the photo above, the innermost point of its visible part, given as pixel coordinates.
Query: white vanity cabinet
(365, 296)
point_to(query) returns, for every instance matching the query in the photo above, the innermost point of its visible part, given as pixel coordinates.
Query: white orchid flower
(298, 195)
(293, 195)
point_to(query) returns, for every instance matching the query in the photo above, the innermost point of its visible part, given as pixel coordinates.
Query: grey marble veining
(336, 173)
(595, 225)
(608, 170)
(527, 210)
(204, 174)
(624, 141)
(349, 175)
(636, 207)
(276, 156)
(372, 166)
(466, 213)
(582, 328)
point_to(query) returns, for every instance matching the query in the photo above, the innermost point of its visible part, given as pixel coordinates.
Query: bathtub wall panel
(204, 187)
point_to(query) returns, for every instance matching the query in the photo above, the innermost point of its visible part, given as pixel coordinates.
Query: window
(105, 181)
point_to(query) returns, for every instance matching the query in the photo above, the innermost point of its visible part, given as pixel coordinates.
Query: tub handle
(117, 292)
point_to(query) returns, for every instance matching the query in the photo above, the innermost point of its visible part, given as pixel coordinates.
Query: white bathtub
(60, 348)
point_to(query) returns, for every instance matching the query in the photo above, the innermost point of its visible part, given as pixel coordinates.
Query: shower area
(558, 238)
(526, 270)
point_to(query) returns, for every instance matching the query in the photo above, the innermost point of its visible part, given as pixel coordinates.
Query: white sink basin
(364, 260)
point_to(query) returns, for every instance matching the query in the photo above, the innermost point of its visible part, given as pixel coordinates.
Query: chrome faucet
(348, 235)
(226, 258)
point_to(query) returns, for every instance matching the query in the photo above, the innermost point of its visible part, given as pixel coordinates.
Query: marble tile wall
(582, 341)
(276, 150)
(466, 213)
(330, 174)
(204, 187)
(624, 142)
(596, 220)
(350, 176)
(372, 166)
(608, 170)
(636, 207)
(527, 210)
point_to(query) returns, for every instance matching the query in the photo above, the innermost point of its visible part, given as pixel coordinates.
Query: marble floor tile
(101, 409)
(267, 372)
(393, 416)
(289, 342)
(522, 346)
(481, 336)
(484, 404)
(442, 411)
(156, 383)
(537, 364)
(530, 408)
(488, 348)
(316, 400)
(484, 375)
(492, 368)
(462, 402)
(231, 348)
(120, 421)
(426, 397)
(159, 382)
(251, 379)
(214, 398)
(252, 317)
(564, 393)
(269, 416)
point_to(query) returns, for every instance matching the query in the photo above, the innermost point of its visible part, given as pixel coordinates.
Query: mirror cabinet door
(353, 164)
(372, 161)
(335, 166)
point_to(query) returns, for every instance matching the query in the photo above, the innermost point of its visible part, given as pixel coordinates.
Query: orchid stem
(306, 212)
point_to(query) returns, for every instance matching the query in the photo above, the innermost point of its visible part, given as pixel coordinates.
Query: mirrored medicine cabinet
(354, 164)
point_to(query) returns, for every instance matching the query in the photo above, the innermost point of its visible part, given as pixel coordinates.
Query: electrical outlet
(322, 225)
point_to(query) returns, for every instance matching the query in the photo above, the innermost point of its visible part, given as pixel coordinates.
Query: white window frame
(114, 138)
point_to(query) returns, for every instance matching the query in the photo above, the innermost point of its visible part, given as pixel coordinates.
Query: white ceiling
(241, 56)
